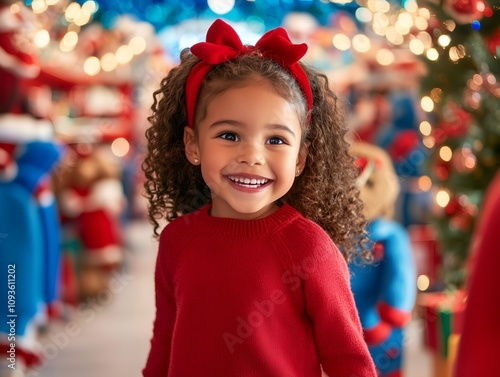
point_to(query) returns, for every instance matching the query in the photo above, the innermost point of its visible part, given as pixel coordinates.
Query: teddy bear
(384, 290)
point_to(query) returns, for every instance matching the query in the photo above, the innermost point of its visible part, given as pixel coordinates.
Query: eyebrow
(272, 126)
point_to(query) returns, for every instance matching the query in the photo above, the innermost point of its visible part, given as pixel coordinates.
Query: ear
(302, 158)
(191, 146)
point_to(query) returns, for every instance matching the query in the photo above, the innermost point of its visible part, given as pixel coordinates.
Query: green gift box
(443, 315)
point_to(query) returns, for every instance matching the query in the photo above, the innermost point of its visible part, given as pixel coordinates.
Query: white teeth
(248, 182)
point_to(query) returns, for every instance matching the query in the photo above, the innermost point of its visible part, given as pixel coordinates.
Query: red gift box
(425, 251)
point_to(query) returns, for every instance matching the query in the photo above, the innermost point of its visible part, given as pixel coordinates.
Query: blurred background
(419, 79)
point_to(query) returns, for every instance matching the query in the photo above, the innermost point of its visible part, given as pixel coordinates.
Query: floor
(109, 336)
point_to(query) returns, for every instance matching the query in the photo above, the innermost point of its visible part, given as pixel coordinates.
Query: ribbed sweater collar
(236, 228)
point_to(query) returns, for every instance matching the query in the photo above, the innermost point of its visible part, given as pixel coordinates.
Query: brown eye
(369, 183)
(229, 136)
(275, 140)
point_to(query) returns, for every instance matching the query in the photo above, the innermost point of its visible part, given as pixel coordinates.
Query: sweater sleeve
(330, 306)
(159, 355)
(479, 342)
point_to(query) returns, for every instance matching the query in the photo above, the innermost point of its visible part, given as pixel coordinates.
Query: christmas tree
(461, 93)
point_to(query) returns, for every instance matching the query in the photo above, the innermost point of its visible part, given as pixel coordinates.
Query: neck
(264, 212)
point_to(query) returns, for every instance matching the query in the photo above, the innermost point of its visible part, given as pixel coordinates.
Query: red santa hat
(18, 63)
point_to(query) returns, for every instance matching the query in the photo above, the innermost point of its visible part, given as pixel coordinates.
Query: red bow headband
(223, 44)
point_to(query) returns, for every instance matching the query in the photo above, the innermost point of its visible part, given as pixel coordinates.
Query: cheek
(288, 164)
(210, 167)
(291, 166)
(213, 161)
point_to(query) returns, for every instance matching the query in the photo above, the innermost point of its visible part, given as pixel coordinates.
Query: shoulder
(314, 256)
(182, 225)
(174, 234)
(308, 239)
(303, 230)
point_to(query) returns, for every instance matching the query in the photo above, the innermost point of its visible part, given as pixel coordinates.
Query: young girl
(245, 151)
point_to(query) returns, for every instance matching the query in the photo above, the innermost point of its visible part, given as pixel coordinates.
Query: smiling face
(249, 146)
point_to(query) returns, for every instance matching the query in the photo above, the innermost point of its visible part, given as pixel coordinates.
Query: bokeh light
(92, 66)
(341, 42)
(432, 54)
(124, 54)
(424, 183)
(442, 198)
(363, 14)
(42, 38)
(120, 147)
(445, 153)
(384, 57)
(425, 128)
(137, 44)
(108, 62)
(39, 6)
(361, 43)
(69, 41)
(427, 104)
(221, 6)
(423, 283)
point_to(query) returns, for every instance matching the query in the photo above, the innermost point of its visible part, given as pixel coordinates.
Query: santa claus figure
(91, 202)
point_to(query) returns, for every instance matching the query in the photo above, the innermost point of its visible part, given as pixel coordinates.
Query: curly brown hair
(325, 192)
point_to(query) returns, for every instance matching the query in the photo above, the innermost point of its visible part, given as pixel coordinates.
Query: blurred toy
(91, 199)
(384, 113)
(371, 113)
(29, 226)
(408, 154)
(385, 291)
(464, 11)
(18, 62)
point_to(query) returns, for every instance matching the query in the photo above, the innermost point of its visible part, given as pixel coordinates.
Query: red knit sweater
(480, 339)
(266, 297)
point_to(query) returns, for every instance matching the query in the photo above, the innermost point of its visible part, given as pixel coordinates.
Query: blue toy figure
(385, 291)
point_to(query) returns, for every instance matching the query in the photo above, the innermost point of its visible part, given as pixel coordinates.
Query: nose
(251, 154)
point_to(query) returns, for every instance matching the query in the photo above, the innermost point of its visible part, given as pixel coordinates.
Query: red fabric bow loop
(276, 45)
(223, 44)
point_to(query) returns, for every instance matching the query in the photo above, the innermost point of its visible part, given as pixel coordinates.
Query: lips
(248, 182)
